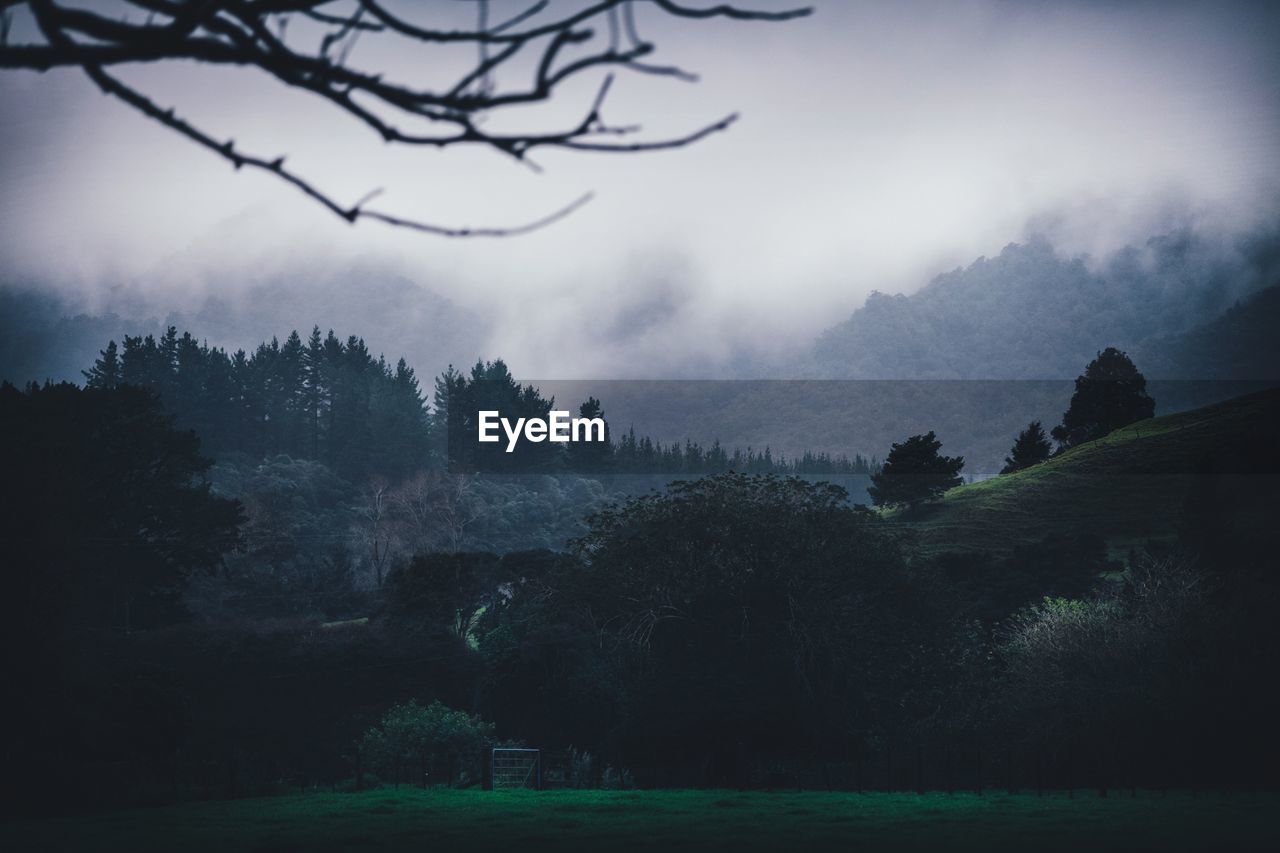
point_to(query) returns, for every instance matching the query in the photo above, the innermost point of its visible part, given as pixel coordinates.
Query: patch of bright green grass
(407, 819)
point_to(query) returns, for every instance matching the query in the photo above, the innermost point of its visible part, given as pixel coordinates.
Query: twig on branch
(592, 35)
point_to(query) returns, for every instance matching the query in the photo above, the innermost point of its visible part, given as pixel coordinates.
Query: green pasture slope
(1129, 487)
(409, 819)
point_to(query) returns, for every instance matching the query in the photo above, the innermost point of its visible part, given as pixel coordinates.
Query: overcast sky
(881, 143)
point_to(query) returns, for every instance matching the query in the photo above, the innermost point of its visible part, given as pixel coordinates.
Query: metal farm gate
(515, 768)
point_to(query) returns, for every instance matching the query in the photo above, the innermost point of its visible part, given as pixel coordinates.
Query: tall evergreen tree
(250, 415)
(592, 456)
(449, 406)
(105, 373)
(334, 354)
(1030, 448)
(140, 362)
(291, 388)
(313, 391)
(222, 414)
(492, 388)
(165, 367)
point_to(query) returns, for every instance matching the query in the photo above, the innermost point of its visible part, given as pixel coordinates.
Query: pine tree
(140, 363)
(402, 421)
(165, 380)
(222, 408)
(316, 399)
(105, 372)
(188, 398)
(250, 411)
(449, 406)
(592, 456)
(313, 390)
(334, 360)
(1030, 448)
(291, 388)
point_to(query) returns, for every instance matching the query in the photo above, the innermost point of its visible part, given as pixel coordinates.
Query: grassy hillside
(415, 820)
(1129, 487)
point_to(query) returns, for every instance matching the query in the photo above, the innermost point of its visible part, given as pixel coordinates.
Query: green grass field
(1128, 487)
(408, 819)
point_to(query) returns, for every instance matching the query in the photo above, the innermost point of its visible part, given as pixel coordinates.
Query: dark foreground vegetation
(1100, 621)
(406, 819)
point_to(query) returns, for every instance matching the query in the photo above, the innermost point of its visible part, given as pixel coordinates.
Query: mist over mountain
(1033, 313)
(1186, 305)
(48, 333)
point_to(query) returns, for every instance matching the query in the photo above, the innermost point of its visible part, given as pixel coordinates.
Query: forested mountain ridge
(1240, 344)
(1031, 313)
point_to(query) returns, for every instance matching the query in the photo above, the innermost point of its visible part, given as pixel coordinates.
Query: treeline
(490, 386)
(643, 456)
(332, 401)
(322, 399)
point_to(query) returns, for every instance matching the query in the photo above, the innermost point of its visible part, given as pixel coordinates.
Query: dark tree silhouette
(592, 456)
(1030, 448)
(914, 472)
(491, 387)
(322, 399)
(105, 372)
(111, 503)
(306, 45)
(1110, 394)
(720, 601)
(331, 401)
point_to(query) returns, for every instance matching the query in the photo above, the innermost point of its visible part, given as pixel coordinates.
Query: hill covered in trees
(1032, 313)
(1239, 344)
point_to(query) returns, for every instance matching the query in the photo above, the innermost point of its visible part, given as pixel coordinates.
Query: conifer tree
(1030, 448)
(105, 372)
(593, 456)
(313, 390)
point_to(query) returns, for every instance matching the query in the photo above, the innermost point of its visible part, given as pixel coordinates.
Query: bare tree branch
(520, 60)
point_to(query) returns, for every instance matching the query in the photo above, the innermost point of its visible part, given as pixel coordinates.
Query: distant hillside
(1030, 313)
(1128, 488)
(1242, 343)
